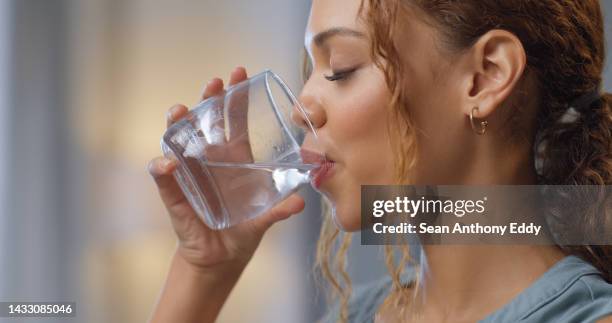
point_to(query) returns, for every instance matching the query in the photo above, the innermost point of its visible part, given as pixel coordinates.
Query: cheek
(440, 122)
(360, 130)
(357, 127)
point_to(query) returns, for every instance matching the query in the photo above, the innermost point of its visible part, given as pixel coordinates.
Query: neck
(502, 167)
(483, 278)
(472, 281)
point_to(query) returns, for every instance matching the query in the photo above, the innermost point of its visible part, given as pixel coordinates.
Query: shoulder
(584, 297)
(593, 298)
(571, 291)
(588, 298)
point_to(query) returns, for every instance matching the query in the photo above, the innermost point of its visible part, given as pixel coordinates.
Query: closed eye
(340, 75)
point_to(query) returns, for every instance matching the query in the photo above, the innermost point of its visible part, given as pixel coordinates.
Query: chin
(347, 218)
(345, 208)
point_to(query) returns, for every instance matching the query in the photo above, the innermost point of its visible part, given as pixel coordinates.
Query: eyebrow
(323, 36)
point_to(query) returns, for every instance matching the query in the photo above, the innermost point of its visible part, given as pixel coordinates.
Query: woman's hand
(203, 248)
(207, 263)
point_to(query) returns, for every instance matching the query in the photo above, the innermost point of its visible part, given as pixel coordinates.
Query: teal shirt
(571, 291)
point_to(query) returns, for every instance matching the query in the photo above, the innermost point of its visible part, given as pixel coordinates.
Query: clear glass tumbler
(240, 153)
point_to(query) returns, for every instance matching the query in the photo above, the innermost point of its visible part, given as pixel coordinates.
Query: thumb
(283, 210)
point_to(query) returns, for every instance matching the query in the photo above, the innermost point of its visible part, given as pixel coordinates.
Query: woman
(468, 89)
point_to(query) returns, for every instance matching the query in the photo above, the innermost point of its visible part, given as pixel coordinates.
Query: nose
(308, 110)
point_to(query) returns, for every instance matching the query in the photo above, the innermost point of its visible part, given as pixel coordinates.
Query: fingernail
(216, 79)
(149, 167)
(175, 109)
(172, 112)
(167, 163)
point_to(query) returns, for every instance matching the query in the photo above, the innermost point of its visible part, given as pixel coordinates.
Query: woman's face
(347, 99)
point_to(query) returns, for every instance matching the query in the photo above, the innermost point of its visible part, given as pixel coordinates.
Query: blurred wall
(90, 83)
(5, 33)
(131, 61)
(40, 227)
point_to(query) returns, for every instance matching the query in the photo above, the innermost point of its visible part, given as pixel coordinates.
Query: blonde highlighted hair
(332, 247)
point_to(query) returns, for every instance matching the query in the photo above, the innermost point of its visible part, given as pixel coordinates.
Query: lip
(312, 157)
(324, 167)
(323, 172)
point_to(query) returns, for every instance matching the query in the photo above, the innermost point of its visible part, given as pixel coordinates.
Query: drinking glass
(241, 152)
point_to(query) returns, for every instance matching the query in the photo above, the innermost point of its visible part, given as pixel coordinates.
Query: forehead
(327, 14)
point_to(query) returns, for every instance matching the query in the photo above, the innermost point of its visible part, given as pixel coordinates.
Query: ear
(494, 65)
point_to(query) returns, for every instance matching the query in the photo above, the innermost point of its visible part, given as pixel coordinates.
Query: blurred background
(84, 88)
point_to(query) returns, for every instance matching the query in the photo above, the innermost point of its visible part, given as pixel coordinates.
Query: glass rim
(287, 91)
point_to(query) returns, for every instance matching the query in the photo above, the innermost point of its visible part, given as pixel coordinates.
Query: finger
(238, 75)
(212, 119)
(238, 104)
(177, 112)
(291, 205)
(161, 170)
(212, 88)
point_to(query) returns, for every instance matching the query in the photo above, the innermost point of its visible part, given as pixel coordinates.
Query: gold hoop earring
(483, 124)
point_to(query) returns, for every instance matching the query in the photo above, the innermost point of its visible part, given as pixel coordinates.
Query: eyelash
(340, 75)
